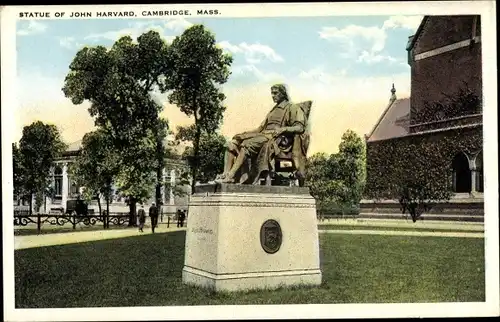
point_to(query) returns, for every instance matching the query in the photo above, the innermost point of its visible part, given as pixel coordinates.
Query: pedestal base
(251, 237)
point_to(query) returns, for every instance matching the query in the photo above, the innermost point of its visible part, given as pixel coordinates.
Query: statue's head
(279, 93)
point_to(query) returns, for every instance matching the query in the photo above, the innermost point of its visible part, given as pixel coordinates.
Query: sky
(345, 65)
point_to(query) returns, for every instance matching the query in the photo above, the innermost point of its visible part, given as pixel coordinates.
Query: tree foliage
(337, 180)
(352, 166)
(211, 153)
(463, 102)
(39, 147)
(199, 67)
(118, 83)
(96, 167)
(18, 171)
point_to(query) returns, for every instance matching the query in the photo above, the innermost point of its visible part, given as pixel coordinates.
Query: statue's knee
(244, 150)
(232, 146)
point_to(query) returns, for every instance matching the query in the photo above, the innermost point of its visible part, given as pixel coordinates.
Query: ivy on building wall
(464, 102)
(417, 169)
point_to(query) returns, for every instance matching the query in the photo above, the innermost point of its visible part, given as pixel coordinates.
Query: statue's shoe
(223, 179)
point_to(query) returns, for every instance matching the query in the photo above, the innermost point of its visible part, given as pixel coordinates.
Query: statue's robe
(262, 147)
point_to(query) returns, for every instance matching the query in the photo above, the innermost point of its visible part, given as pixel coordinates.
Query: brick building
(445, 60)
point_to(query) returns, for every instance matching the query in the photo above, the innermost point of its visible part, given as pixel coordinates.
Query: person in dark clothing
(179, 213)
(183, 217)
(142, 218)
(153, 213)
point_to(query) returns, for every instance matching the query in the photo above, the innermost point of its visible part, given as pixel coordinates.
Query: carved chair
(292, 157)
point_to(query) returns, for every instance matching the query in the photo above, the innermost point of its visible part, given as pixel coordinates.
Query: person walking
(183, 217)
(142, 218)
(179, 214)
(153, 213)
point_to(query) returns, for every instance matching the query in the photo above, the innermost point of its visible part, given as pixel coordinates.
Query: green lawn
(422, 229)
(146, 270)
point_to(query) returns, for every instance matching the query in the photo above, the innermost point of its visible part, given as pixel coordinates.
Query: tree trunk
(99, 206)
(159, 182)
(159, 169)
(413, 213)
(196, 153)
(31, 203)
(132, 216)
(107, 212)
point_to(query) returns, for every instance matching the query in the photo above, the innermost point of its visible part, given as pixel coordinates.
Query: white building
(65, 188)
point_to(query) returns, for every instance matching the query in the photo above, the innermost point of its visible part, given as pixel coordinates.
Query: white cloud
(252, 70)
(376, 36)
(349, 34)
(406, 22)
(372, 58)
(178, 25)
(33, 28)
(168, 30)
(69, 43)
(318, 74)
(254, 53)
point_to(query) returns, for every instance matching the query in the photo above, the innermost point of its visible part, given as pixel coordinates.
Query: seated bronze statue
(280, 141)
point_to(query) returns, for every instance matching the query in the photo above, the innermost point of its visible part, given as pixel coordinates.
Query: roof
(393, 123)
(413, 39)
(77, 146)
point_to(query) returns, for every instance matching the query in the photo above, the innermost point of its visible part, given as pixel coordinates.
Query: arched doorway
(479, 172)
(462, 180)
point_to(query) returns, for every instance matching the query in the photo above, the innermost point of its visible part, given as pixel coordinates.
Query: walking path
(31, 241)
(400, 223)
(404, 233)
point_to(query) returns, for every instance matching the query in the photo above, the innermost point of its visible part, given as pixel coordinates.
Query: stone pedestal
(251, 237)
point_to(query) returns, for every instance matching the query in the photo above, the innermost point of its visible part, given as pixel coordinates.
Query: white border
(489, 308)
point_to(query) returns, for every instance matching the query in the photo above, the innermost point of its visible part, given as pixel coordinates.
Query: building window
(58, 182)
(74, 188)
(479, 173)
(166, 190)
(462, 180)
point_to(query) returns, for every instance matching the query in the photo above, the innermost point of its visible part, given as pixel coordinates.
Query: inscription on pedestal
(271, 236)
(202, 231)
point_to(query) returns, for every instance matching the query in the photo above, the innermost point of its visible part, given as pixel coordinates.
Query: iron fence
(23, 218)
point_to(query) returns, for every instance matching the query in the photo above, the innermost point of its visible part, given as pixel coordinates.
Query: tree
(39, 147)
(18, 171)
(212, 149)
(161, 153)
(337, 180)
(322, 178)
(96, 167)
(199, 67)
(352, 166)
(118, 83)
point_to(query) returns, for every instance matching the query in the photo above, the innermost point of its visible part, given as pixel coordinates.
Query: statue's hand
(279, 132)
